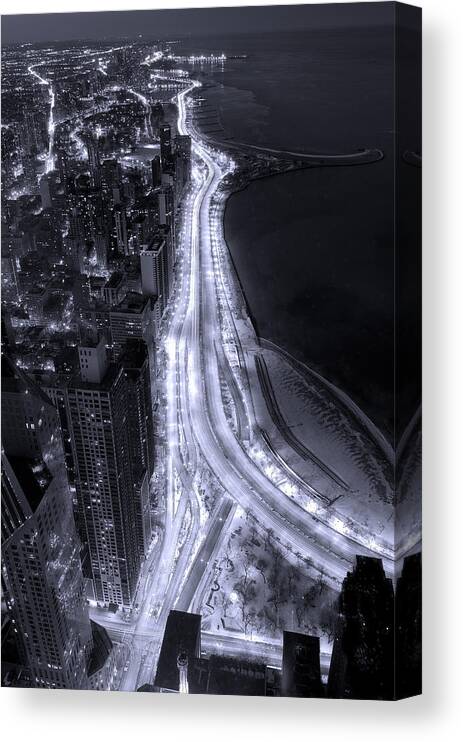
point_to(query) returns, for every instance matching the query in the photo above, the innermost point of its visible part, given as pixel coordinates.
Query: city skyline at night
(211, 458)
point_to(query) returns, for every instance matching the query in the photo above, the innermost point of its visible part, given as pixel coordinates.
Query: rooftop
(114, 280)
(33, 477)
(132, 303)
(182, 634)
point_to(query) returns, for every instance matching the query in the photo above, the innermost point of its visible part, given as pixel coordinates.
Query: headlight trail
(50, 160)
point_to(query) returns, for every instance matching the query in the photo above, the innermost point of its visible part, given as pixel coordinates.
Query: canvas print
(211, 351)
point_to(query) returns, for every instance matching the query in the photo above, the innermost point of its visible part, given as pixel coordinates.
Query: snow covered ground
(258, 589)
(322, 442)
(314, 442)
(331, 446)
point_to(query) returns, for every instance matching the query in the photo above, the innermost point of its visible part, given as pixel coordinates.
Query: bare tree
(293, 577)
(277, 593)
(224, 602)
(250, 619)
(268, 542)
(328, 622)
(246, 592)
(321, 583)
(309, 598)
(246, 567)
(271, 617)
(262, 566)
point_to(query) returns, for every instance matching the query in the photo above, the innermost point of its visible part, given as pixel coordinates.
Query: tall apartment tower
(120, 222)
(156, 172)
(45, 192)
(166, 145)
(362, 663)
(43, 580)
(107, 489)
(155, 264)
(134, 319)
(182, 164)
(93, 155)
(135, 362)
(42, 576)
(301, 666)
(166, 220)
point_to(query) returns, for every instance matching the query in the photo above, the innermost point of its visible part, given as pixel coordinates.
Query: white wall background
(72, 716)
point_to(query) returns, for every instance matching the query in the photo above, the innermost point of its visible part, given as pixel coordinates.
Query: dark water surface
(314, 248)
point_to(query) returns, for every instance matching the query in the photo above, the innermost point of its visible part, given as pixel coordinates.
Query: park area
(258, 588)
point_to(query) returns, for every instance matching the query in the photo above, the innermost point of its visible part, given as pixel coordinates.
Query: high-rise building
(30, 171)
(136, 367)
(111, 180)
(182, 669)
(113, 289)
(132, 319)
(63, 166)
(156, 172)
(408, 615)
(101, 249)
(166, 145)
(155, 264)
(182, 164)
(166, 206)
(107, 486)
(42, 576)
(31, 132)
(93, 155)
(166, 220)
(93, 361)
(45, 192)
(120, 221)
(135, 363)
(29, 420)
(182, 637)
(301, 666)
(364, 651)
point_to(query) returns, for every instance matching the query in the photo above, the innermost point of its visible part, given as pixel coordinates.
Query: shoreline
(344, 398)
(239, 174)
(382, 437)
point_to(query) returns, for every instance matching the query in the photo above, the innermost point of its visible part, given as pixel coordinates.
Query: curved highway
(200, 331)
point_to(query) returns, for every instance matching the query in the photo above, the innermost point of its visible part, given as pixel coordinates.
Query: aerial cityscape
(211, 466)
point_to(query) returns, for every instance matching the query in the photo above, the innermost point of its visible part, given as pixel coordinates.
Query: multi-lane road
(207, 423)
(198, 433)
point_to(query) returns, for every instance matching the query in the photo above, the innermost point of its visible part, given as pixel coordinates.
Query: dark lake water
(314, 249)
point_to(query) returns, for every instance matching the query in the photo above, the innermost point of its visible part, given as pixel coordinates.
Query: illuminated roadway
(233, 468)
(197, 429)
(51, 121)
(199, 434)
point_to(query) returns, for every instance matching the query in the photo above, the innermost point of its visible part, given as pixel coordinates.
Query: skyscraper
(182, 164)
(364, 651)
(107, 486)
(44, 586)
(166, 145)
(45, 192)
(155, 264)
(42, 574)
(301, 666)
(136, 367)
(156, 172)
(120, 221)
(408, 628)
(93, 154)
(182, 638)
(133, 319)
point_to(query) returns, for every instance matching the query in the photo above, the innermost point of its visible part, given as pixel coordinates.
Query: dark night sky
(175, 23)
